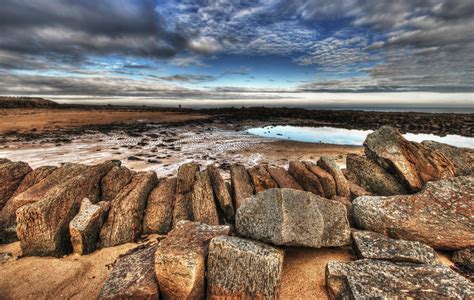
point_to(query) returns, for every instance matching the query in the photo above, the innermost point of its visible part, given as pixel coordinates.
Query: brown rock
(242, 187)
(262, 180)
(159, 209)
(305, 178)
(462, 158)
(342, 185)
(4, 161)
(283, 179)
(180, 260)
(221, 192)
(11, 175)
(33, 178)
(204, 205)
(125, 220)
(114, 181)
(183, 207)
(327, 181)
(357, 191)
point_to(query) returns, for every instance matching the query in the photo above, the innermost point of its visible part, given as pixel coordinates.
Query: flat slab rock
(293, 218)
(243, 269)
(159, 208)
(11, 175)
(242, 187)
(373, 245)
(378, 279)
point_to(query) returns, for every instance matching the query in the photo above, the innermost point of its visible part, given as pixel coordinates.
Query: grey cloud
(191, 78)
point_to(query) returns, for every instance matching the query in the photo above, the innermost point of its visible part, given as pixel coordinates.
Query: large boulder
(413, 164)
(440, 215)
(114, 181)
(221, 192)
(180, 260)
(204, 204)
(11, 175)
(373, 177)
(159, 208)
(133, 276)
(293, 218)
(43, 225)
(462, 158)
(262, 180)
(378, 279)
(242, 187)
(125, 220)
(342, 185)
(183, 208)
(283, 179)
(307, 179)
(243, 269)
(33, 178)
(327, 181)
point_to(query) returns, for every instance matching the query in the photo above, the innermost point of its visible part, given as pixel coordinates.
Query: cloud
(191, 78)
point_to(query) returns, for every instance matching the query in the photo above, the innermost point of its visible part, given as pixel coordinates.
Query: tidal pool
(340, 136)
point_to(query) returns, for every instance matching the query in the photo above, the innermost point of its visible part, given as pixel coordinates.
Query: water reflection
(340, 136)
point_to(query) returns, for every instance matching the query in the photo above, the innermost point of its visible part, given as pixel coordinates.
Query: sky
(402, 51)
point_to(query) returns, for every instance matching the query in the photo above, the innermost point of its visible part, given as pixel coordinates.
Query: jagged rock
(440, 215)
(33, 178)
(114, 181)
(243, 269)
(262, 180)
(413, 164)
(378, 279)
(4, 161)
(283, 179)
(85, 227)
(180, 260)
(462, 158)
(372, 177)
(183, 207)
(373, 245)
(464, 257)
(125, 220)
(204, 204)
(305, 178)
(342, 185)
(221, 192)
(357, 191)
(43, 225)
(11, 175)
(159, 209)
(133, 276)
(327, 181)
(293, 218)
(242, 187)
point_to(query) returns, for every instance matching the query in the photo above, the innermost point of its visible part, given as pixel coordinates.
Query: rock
(133, 276)
(221, 192)
(464, 256)
(85, 227)
(5, 256)
(440, 215)
(373, 245)
(413, 164)
(183, 207)
(283, 179)
(305, 178)
(327, 181)
(125, 220)
(293, 218)
(372, 177)
(43, 225)
(4, 161)
(33, 178)
(114, 182)
(180, 260)
(159, 210)
(357, 191)
(262, 180)
(204, 205)
(11, 175)
(342, 185)
(242, 187)
(378, 279)
(243, 269)
(462, 158)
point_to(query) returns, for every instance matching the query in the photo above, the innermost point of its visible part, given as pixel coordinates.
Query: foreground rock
(183, 208)
(180, 261)
(293, 218)
(204, 204)
(373, 245)
(85, 227)
(440, 215)
(342, 185)
(462, 158)
(242, 187)
(305, 178)
(133, 276)
(11, 175)
(115, 181)
(159, 209)
(125, 220)
(243, 269)
(283, 179)
(33, 178)
(262, 180)
(327, 181)
(464, 257)
(377, 279)
(221, 192)
(412, 163)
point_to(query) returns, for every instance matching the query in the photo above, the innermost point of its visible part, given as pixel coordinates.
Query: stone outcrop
(440, 215)
(262, 180)
(159, 209)
(133, 276)
(464, 257)
(85, 227)
(242, 187)
(373, 177)
(33, 178)
(373, 245)
(342, 185)
(243, 269)
(183, 208)
(413, 164)
(305, 177)
(11, 175)
(125, 220)
(293, 218)
(378, 279)
(357, 191)
(222, 193)
(204, 204)
(327, 181)
(114, 182)
(283, 179)
(462, 158)
(180, 260)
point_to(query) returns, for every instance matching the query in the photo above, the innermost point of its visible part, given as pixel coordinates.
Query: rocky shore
(202, 235)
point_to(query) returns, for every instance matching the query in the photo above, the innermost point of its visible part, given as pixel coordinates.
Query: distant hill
(26, 102)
